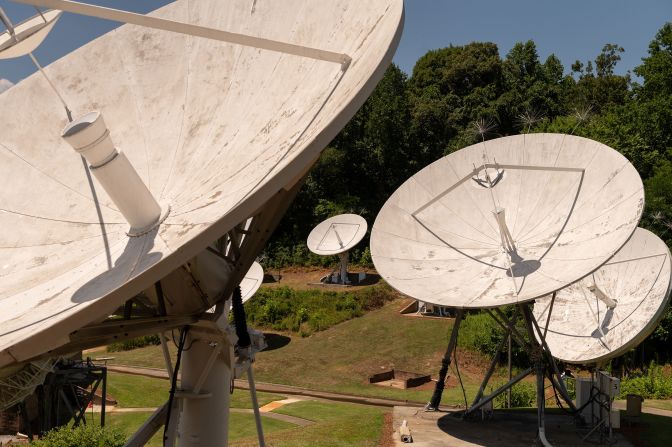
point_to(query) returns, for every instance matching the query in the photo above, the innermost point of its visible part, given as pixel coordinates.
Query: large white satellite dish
(337, 235)
(504, 222)
(194, 128)
(213, 129)
(613, 309)
(555, 209)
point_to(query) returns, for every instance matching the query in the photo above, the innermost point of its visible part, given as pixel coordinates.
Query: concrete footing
(504, 428)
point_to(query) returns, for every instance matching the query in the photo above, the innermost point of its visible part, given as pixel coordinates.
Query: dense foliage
(308, 311)
(410, 121)
(82, 436)
(655, 383)
(133, 343)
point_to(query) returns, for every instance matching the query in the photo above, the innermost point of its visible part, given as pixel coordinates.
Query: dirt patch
(387, 433)
(307, 278)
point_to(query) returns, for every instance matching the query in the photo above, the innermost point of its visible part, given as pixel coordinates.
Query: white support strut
(118, 15)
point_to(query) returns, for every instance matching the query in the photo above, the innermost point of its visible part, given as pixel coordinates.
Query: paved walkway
(504, 429)
(620, 405)
(279, 416)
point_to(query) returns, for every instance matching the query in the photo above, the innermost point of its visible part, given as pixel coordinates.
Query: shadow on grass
(276, 341)
(650, 431)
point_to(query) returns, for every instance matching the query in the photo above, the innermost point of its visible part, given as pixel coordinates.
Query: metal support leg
(554, 367)
(255, 406)
(344, 268)
(433, 404)
(541, 403)
(491, 370)
(166, 355)
(104, 398)
(498, 391)
(538, 354)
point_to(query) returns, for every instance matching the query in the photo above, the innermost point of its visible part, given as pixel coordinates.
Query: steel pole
(435, 401)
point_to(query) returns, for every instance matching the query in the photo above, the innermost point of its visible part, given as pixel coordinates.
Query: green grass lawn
(336, 425)
(144, 392)
(241, 426)
(137, 391)
(341, 358)
(661, 404)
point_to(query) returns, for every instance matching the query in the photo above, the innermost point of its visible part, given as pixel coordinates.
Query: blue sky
(571, 29)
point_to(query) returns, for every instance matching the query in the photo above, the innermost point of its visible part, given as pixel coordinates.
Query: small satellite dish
(252, 281)
(507, 221)
(23, 38)
(613, 309)
(337, 235)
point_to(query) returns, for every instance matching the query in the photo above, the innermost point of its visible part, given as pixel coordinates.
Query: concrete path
(279, 416)
(620, 405)
(279, 403)
(282, 417)
(514, 429)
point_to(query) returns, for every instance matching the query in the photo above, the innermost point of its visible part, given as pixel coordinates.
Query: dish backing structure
(513, 219)
(194, 127)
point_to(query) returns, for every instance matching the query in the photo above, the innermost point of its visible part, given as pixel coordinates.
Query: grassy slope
(144, 392)
(343, 357)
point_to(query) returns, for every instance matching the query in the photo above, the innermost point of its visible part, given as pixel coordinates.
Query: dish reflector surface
(569, 204)
(583, 329)
(30, 34)
(252, 281)
(214, 130)
(337, 234)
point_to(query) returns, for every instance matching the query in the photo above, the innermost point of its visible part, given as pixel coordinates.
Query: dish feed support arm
(192, 30)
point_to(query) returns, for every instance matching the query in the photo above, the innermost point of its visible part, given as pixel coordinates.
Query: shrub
(127, 345)
(523, 394)
(479, 332)
(308, 311)
(653, 384)
(82, 436)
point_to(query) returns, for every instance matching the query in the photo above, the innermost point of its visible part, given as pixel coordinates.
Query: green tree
(449, 89)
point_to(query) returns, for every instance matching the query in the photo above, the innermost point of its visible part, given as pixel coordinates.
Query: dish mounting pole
(543, 364)
(435, 401)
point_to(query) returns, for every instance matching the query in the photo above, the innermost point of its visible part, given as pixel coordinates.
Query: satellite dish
(23, 38)
(19, 382)
(551, 210)
(612, 310)
(504, 222)
(251, 281)
(337, 235)
(217, 132)
(193, 129)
